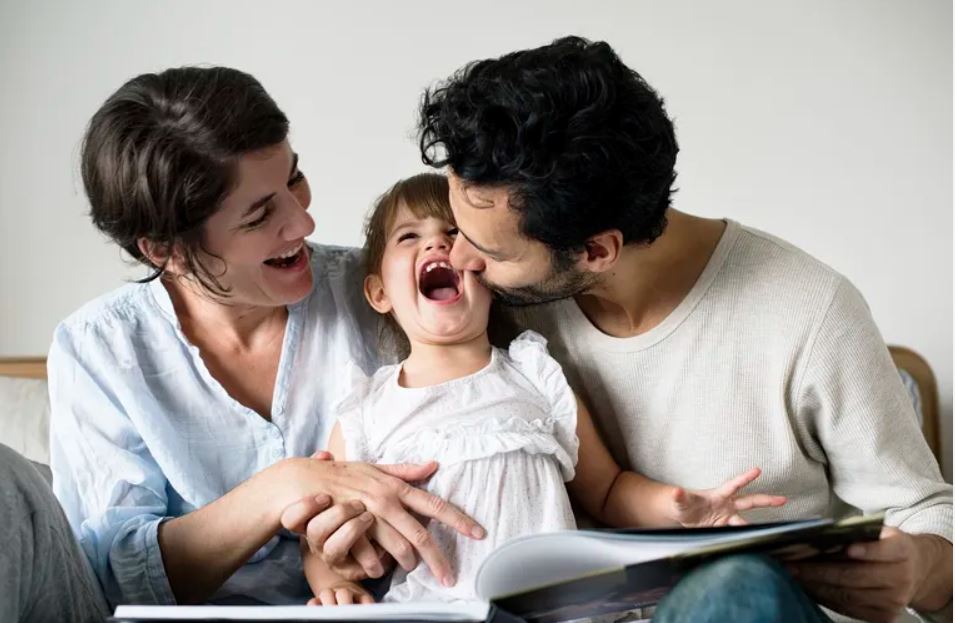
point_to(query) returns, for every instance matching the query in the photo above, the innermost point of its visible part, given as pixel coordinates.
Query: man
(702, 347)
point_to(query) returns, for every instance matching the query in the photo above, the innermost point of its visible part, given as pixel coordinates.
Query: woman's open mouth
(439, 282)
(290, 260)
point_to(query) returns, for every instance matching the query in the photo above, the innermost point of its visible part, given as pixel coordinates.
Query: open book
(560, 576)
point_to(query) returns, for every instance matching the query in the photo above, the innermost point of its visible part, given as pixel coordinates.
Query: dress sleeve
(350, 412)
(529, 353)
(112, 490)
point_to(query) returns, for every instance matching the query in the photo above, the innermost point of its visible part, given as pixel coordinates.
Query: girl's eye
(296, 179)
(453, 232)
(261, 220)
(407, 236)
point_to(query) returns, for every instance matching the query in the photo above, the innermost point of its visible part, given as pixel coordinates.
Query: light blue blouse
(141, 431)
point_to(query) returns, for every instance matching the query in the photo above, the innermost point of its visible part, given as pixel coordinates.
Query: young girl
(504, 426)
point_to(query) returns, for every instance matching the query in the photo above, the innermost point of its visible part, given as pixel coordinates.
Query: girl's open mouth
(439, 282)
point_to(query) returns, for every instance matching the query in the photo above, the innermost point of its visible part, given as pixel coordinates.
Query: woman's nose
(300, 223)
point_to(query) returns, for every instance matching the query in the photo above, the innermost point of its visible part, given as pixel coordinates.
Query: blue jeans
(741, 589)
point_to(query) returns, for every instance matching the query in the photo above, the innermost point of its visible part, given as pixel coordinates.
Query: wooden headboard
(23, 367)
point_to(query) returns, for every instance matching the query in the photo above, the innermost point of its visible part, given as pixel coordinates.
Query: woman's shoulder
(334, 261)
(115, 322)
(131, 302)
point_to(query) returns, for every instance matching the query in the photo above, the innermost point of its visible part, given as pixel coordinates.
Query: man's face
(520, 271)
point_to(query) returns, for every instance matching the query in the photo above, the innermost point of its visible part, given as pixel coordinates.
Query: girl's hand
(720, 506)
(341, 594)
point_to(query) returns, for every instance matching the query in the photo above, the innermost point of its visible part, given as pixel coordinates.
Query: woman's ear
(163, 255)
(601, 251)
(375, 294)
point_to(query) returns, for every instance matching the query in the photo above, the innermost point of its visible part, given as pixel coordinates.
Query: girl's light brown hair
(425, 195)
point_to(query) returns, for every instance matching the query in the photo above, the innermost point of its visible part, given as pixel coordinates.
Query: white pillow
(25, 417)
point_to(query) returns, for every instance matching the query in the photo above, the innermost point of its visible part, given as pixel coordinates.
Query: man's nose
(465, 257)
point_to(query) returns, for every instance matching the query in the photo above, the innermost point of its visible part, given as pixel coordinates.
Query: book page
(423, 611)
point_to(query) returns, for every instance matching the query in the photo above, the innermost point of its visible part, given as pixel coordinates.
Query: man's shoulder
(766, 269)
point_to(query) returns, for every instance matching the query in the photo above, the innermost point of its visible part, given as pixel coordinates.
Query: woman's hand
(343, 593)
(385, 498)
(720, 506)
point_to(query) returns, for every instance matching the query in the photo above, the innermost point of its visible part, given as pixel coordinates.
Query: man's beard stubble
(563, 282)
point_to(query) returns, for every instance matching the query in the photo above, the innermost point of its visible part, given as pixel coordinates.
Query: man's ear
(375, 294)
(601, 251)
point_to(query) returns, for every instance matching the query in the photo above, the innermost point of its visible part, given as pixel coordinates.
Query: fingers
(395, 544)
(731, 486)
(680, 497)
(758, 500)
(323, 455)
(339, 543)
(410, 472)
(366, 556)
(341, 596)
(844, 574)
(421, 540)
(322, 526)
(892, 546)
(440, 510)
(736, 520)
(296, 516)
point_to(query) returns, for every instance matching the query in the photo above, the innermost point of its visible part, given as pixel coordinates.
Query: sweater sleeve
(853, 401)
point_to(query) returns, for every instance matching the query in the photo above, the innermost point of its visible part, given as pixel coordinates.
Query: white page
(423, 611)
(536, 560)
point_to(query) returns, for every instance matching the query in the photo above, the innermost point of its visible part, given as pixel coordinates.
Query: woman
(180, 402)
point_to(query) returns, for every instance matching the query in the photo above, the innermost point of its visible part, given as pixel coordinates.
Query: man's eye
(407, 236)
(296, 179)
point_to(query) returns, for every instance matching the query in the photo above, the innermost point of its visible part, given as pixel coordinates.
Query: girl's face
(433, 303)
(259, 232)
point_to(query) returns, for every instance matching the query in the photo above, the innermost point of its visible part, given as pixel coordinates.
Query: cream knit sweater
(772, 360)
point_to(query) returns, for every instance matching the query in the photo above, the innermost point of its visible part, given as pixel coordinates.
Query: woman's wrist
(285, 483)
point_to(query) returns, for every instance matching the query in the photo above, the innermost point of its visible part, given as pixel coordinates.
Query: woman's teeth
(286, 259)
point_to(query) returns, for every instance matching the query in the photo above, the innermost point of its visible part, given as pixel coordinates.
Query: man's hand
(720, 506)
(883, 577)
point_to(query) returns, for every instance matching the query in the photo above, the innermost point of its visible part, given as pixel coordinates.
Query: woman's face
(259, 232)
(433, 303)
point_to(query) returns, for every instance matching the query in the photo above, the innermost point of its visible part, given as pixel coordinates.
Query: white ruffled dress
(505, 438)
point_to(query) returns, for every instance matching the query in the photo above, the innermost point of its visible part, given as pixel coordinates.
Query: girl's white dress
(505, 440)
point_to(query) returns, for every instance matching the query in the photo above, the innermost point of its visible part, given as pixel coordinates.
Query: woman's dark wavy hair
(160, 155)
(581, 142)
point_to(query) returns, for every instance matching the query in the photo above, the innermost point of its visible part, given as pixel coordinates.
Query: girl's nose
(438, 243)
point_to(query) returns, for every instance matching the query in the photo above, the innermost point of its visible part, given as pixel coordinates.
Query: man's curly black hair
(581, 141)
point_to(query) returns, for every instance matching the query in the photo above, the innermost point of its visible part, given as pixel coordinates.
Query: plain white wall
(828, 123)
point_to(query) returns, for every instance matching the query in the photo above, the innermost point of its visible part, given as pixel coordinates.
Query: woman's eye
(407, 236)
(261, 220)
